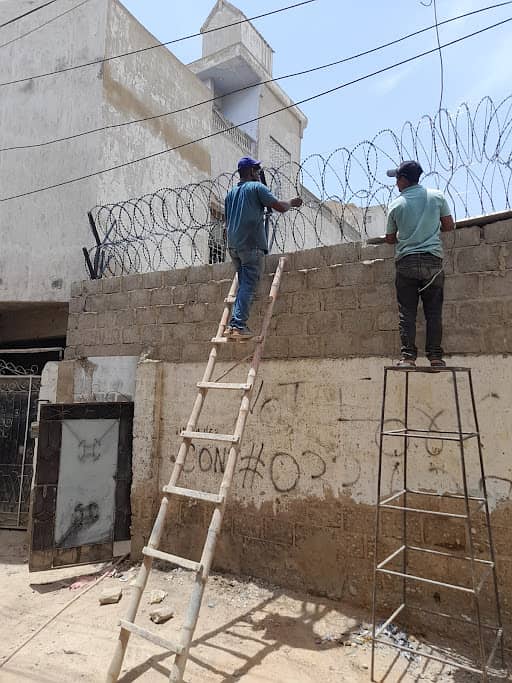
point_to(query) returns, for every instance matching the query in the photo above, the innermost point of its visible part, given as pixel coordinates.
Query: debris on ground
(156, 596)
(161, 615)
(110, 596)
(399, 637)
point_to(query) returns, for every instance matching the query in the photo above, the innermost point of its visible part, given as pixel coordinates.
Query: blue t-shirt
(244, 207)
(415, 215)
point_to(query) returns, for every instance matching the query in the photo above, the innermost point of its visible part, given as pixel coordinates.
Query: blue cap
(248, 162)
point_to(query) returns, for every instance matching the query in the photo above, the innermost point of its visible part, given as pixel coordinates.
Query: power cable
(152, 47)
(247, 87)
(37, 28)
(257, 118)
(35, 9)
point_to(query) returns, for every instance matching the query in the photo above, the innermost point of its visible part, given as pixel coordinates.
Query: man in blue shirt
(247, 239)
(415, 219)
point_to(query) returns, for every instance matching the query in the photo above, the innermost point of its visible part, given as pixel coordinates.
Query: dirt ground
(247, 631)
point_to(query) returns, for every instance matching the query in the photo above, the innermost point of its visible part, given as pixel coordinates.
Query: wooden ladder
(151, 551)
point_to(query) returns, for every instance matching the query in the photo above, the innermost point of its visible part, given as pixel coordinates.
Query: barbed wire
(466, 154)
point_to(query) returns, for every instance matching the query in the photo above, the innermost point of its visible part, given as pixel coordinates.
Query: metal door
(19, 394)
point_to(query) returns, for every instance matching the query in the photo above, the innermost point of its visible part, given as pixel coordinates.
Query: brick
(111, 336)
(276, 347)
(199, 274)
(194, 313)
(354, 274)
(138, 298)
(461, 287)
(292, 282)
(145, 316)
(343, 253)
(151, 334)
(498, 232)
(308, 258)
(339, 298)
(177, 276)
(463, 237)
(223, 271)
(388, 319)
(306, 302)
(195, 351)
(480, 313)
(383, 270)
(95, 302)
(449, 534)
(339, 345)
(131, 334)
(161, 297)
(497, 339)
(131, 282)
(505, 256)
(374, 251)
(116, 301)
(169, 314)
(477, 259)
(70, 353)
(270, 263)
(304, 347)
(72, 337)
(92, 286)
(171, 352)
(152, 280)
(87, 321)
(213, 312)
(204, 331)
(76, 289)
(323, 322)
(173, 332)
(375, 296)
(358, 322)
(77, 304)
(125, 318)
(111, 285)
(288, 325)
(320, 278)
(462, 341)
(278, 531)
(183, 294)
(89, 337)
(209, 292)
(497, 284)
(73, 319)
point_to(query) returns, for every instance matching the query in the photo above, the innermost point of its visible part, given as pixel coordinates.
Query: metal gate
(19, 393)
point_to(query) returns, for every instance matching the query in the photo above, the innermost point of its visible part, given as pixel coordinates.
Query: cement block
(306, 302)
(152, 280)
(177, 276)
(304, 347)
(209, 292)
(194, 313)
(151, 334)
(276, 347)
(320, 278)
(354, 274)
(87, 321)
(464, 237)
(76, 289)
(339, 298)
(117, 301)
(376, 296)
(161, 296)
(309, 258)
(146, 315)
(480, 314)
(124, 318)
(111, 285)
(324, 323)
(138, 298)
(183, 294)
(290, 324)
(497, 284)
(292, 282)
(131, 282)
(111, 336)
(197, 274)
(477, 259)
(77, 304)
(498, 232)
(461, 287)
(92, 286)
(169, 314)
(110, 596)
(131, 334)
(348, 252)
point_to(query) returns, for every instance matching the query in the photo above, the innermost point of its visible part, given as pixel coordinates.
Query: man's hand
(282, 207)
(296, 202)
(447, 224)
(391, 238)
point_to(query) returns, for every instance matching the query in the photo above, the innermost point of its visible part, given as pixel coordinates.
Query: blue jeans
(248, 264)
(414, 273)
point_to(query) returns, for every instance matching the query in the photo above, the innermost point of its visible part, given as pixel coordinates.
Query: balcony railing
(244, 141)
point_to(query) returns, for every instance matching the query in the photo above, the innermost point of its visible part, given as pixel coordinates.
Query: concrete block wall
(301, 512)
(335, 301)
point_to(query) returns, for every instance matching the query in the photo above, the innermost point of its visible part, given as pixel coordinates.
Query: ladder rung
(173, 559)
(144, 633)
(210, 436)
(191, 493)
(224, 340)
(223, 385)
(230, 300)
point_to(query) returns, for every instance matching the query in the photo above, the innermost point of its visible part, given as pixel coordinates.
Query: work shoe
(241, 333)
(406, 362)
(437, 363)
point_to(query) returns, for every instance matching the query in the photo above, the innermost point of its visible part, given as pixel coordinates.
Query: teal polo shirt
(244, 206)
(415, 215)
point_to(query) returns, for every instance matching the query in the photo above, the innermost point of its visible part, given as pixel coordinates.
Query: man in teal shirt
(415, 220)
(247, 240)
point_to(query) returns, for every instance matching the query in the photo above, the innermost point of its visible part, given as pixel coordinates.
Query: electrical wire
(253, 120)
(247, 87)
(35, 9)
(37, 28)
(152, 47)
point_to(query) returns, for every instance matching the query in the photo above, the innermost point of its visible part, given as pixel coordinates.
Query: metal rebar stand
(402, 503)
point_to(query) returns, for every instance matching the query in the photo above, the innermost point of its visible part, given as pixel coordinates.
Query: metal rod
(499, 637)
(445, 495)
(468, 528)
(487, 513)
(27, 423)
(388, 621)
(393, 497)
(377, 522)
(393, 555)
(413, 577)
(452, 555)
(451, 617)
(423, 434)
(443, 660)
(425, 512)
(404, 480)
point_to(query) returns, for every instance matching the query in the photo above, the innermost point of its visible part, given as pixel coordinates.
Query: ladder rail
(194, 606)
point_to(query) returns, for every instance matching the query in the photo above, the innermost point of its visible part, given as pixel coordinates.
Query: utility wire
(247, 87)
(35, 9)
(24, 35)
(152, 47)
(257, 118)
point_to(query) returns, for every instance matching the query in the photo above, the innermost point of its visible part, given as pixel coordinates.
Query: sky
(329, 30)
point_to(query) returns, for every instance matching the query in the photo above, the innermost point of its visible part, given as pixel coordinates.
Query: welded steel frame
(477, 582)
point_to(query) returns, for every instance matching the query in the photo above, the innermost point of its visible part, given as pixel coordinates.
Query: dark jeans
(248, 264)
(413, 273)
